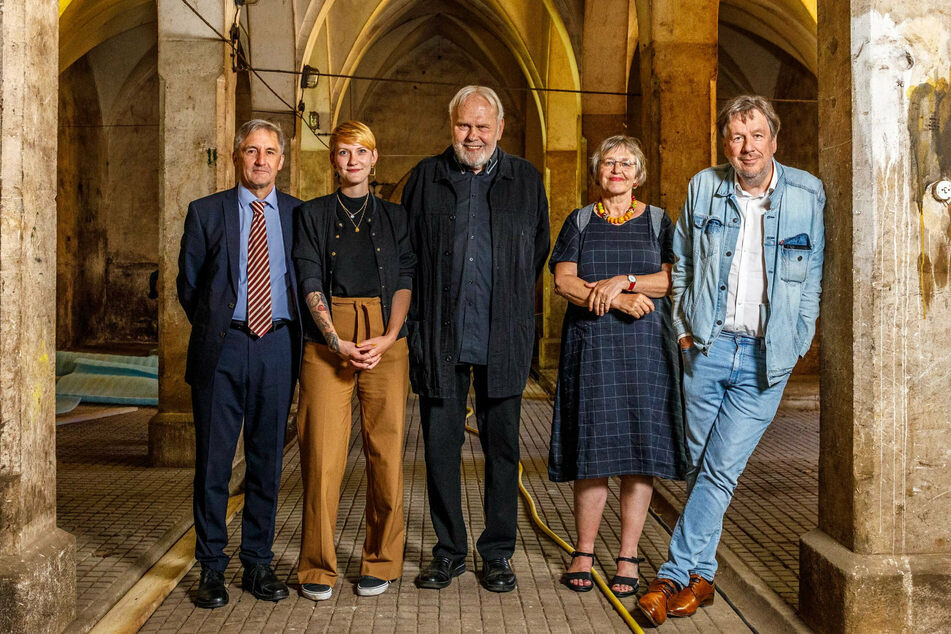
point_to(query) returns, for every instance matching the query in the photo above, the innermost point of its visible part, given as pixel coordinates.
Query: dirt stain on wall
(929, 127)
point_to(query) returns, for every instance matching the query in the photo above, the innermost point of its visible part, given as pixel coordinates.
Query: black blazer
(208, 277)
(316, 231)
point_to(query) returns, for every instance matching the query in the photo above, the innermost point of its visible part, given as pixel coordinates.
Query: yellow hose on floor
(540, 523)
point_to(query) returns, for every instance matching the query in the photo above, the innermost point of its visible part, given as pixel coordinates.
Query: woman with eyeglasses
(617, 405)
(354, 266)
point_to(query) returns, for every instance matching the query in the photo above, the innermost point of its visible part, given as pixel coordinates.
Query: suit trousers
(323, 427)
(252, 385)
(443, 422)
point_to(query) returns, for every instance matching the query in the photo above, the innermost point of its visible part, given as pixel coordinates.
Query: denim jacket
(793, 244)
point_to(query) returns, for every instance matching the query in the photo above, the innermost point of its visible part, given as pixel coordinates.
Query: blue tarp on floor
(105, 378)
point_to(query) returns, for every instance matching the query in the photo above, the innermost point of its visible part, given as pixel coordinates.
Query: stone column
(564, 176)
(196, 131)
(679, 72)
(880, 560)
(37, 560)
(610, 32)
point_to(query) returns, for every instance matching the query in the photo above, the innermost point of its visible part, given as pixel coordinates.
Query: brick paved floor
(113, 503)
(776, 501)
(539, 604)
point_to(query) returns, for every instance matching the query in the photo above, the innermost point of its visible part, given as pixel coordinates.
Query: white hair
(481, 91)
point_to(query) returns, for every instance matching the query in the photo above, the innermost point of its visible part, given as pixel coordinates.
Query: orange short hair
(354, 132)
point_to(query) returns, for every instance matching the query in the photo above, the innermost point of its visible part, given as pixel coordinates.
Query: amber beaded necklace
(603, 213)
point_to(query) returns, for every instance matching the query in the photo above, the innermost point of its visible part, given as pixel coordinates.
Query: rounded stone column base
(38, 585)
(172, 440)
(841, 591)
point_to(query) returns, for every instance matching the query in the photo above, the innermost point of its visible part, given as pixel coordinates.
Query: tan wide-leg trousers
(323, 425)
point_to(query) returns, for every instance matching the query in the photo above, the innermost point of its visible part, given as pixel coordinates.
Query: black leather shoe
(211, 590)
(497, 575)
(261, 581)
(440, 572)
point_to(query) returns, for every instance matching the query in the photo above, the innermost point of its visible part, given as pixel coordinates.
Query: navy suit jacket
(208, 278)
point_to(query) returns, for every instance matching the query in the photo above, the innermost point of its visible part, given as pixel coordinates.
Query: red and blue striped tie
(259, 274)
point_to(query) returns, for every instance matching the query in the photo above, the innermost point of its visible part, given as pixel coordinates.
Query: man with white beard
(479, 226)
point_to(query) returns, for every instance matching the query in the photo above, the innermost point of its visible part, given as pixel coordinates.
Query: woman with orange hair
(354, 266)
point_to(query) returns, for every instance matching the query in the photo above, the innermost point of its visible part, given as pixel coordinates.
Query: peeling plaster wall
(901, 242)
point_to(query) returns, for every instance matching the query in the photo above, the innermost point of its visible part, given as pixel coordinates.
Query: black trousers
(443, 422)
(253, 385)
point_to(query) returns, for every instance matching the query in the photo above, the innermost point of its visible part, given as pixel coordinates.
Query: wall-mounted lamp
(309, 77)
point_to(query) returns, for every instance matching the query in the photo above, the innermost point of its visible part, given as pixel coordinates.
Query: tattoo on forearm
(317, 304)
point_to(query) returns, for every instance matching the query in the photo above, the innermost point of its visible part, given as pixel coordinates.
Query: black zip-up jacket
(520, 241)
(316, 227)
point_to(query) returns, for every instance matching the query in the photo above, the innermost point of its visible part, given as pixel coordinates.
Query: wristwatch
(633, 280)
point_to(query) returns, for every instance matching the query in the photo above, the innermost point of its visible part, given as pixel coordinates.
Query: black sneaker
(371, 586)
(316, 591)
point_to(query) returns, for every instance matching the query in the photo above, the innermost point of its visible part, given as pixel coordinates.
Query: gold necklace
(602, 212)
(353, 214)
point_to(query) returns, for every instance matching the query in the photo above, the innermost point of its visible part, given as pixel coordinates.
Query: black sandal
(581, 576)
(618, 580)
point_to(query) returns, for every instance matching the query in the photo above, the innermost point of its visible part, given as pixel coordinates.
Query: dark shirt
(356, 274)
(472, 273)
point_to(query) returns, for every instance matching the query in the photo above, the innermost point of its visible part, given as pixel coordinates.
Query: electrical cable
(238, 53)
(540, 523)
(246, 65)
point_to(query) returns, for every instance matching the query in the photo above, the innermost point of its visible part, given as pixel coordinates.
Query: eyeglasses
(624, 165)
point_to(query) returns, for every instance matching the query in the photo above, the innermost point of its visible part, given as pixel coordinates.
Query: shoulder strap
(584, 217)
(657, 216)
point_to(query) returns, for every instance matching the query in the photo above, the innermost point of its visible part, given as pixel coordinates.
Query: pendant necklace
(353, 214)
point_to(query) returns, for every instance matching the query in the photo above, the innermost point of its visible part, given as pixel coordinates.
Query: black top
(472, 273)
(520, 243)
(317, 234)
(356, 273)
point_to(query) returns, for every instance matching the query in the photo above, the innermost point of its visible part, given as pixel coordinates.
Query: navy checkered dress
(617, 407)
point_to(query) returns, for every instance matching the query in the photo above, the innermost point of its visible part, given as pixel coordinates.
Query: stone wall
(107, 200)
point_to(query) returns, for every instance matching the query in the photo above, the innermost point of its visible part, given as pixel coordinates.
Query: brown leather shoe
(699, 593)
(654, 602)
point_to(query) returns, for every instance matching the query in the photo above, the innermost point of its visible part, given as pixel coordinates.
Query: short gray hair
(741, 106)
(259, 124)
(628, 143)
(476, 91)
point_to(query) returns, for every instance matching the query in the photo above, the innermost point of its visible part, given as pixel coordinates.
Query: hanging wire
(242, 63)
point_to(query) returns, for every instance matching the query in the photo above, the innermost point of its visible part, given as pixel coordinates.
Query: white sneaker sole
(316, 596)
(372, 592)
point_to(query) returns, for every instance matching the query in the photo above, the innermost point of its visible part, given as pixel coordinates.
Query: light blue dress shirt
(280, 309)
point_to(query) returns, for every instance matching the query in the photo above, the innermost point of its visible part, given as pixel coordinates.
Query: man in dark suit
(236, 283)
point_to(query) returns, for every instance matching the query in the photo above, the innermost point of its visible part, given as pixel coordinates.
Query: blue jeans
(729, 405)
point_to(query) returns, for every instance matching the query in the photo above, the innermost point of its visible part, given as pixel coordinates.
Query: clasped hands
(365, 355)
(607, 294)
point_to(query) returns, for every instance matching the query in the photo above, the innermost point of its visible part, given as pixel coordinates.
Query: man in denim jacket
(745, 287)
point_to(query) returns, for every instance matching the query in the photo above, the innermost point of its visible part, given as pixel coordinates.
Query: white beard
(466, 158)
